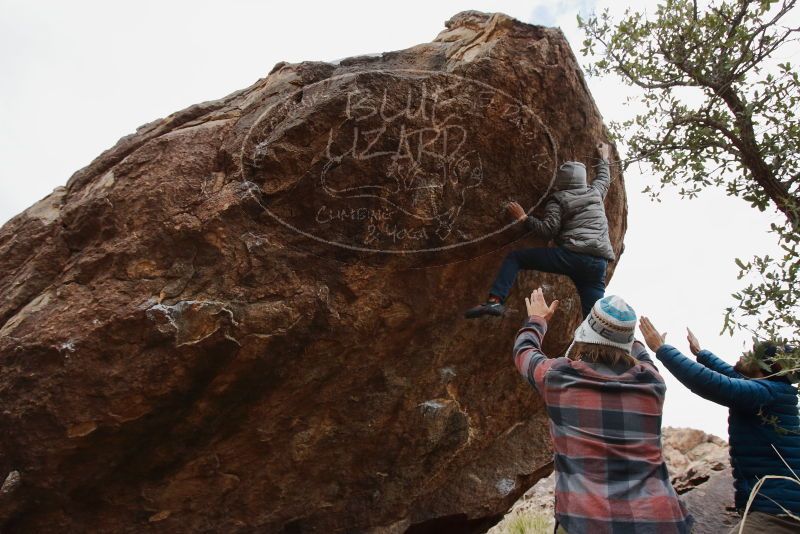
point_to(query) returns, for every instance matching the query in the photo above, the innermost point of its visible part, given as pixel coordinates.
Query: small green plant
(529, 523)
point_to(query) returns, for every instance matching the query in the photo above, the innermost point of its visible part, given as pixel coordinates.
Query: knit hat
(611, 322)
(571, 175)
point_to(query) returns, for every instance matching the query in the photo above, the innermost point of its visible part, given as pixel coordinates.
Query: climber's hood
(571, 175)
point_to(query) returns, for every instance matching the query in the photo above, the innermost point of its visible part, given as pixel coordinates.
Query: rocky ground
(699, 466)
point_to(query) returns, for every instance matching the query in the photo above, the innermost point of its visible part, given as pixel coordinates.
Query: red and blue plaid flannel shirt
(606, 430)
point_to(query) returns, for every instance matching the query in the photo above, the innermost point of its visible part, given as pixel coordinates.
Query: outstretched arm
(528, 355)
(717, 364)
(549, 225)
(705, 357)
(602, 178)
(529, 359)
(739, 393)
(742, 394)
(639, 352)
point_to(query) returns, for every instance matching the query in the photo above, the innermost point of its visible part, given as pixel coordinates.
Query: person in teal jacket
(763, 424)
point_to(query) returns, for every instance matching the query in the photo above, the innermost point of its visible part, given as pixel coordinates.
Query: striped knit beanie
(611, 322)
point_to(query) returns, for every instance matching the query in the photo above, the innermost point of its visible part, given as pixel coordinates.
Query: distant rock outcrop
(701, 471)
(693, 456)
(246, 317)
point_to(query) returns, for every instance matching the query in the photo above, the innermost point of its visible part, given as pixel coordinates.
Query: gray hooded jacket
(575, 217)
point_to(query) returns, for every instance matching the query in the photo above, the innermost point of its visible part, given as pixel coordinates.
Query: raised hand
(653, 339)
(604, 150)
(516, 211)
(694, 345)
(537, 305)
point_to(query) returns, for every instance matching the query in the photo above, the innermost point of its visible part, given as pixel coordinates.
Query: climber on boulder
(763, 423)
(605, 400)
(575, 219)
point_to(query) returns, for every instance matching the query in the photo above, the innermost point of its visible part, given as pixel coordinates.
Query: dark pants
(587, 272)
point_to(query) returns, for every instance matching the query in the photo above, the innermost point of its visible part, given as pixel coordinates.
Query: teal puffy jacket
(763, 426)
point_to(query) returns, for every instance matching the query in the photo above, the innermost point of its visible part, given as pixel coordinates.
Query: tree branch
(620, 66)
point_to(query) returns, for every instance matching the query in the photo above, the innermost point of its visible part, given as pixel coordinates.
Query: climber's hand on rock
(516, 211)
(604, 150)
(694, 344)
(653, 339)
(537, 305)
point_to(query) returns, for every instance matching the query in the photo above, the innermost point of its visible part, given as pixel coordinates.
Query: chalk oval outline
(522, 106)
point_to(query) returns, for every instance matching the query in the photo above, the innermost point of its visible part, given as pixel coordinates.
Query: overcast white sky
(77, 76)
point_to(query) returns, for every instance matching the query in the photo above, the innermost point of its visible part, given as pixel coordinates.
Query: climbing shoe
(487, 308)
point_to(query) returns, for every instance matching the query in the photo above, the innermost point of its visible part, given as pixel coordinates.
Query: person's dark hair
(769, 355)
(593, 352)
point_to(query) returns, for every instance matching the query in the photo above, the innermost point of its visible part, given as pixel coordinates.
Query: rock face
(711, 504)
(247, 316)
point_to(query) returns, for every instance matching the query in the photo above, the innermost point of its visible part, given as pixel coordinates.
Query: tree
(719, 110)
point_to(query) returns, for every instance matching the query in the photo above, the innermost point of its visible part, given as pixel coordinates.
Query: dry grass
(528, 523)
(760, 483)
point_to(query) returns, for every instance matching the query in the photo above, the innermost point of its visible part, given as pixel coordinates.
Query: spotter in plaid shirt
(606, 431)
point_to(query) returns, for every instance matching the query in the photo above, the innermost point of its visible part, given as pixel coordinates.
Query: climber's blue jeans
(587, 272)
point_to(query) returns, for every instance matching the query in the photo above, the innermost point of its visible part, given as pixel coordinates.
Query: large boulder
(247, 316)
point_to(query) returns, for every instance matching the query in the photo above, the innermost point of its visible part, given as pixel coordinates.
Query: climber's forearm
(548, 226)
